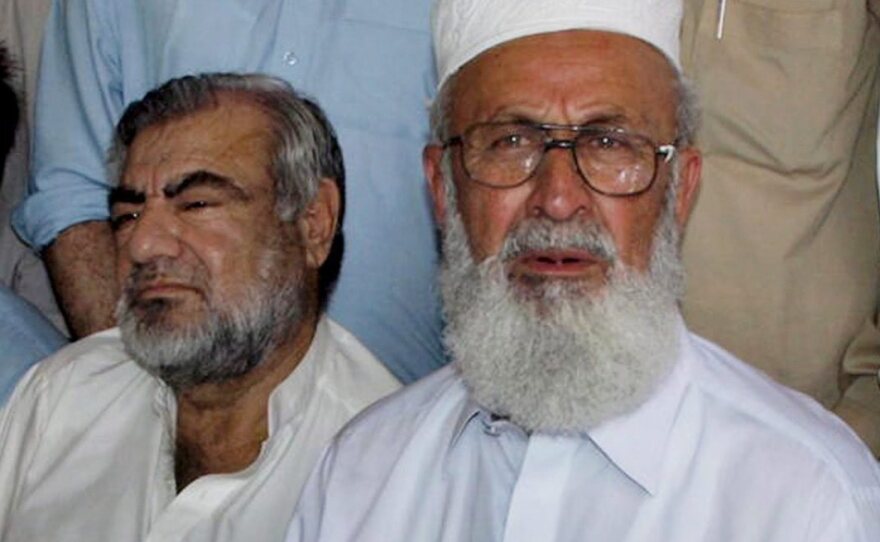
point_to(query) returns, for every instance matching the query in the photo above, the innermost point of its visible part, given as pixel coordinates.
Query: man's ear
(317, 223)
(690, 173)
(432, 162)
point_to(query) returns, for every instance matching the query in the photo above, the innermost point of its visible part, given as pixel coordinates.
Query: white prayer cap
(465, 28)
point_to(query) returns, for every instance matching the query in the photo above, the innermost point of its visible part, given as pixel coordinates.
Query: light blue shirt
(369, 64)
(719, 452)
(26, 337)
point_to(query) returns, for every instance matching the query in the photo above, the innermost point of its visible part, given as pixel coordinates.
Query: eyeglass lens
(507, 154)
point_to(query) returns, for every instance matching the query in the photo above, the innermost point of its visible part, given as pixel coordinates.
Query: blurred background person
(783, 246)
(21, 269)
(26, 336)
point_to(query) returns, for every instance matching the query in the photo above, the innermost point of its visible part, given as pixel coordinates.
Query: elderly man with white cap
(578, 406)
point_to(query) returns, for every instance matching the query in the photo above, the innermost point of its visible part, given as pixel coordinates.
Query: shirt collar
(469, 410)
(637, 442)
(287, 401)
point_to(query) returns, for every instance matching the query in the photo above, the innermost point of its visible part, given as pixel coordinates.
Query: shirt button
(290, 58)
(490, 428)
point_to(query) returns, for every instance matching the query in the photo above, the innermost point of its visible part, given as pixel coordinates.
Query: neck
(221, 425)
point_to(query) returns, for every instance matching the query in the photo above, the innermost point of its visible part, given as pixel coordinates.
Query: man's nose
(155, 234)
(560, 192)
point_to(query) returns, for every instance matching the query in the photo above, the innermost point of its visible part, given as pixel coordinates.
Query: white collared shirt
(719, 453)
(87, 447)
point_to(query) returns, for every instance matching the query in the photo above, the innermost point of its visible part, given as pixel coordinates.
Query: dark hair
(9, 111)
(305, 149)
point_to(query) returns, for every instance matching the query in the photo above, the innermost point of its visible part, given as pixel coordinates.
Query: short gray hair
(687, 112)
(305, 148)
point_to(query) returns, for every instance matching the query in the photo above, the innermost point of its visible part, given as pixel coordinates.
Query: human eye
(507, 138)
(511, 140)
(119, 220)
(611, 147)
(195, 205)
(198, 200)
(608, 141)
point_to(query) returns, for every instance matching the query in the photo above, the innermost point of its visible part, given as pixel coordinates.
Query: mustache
(544, 234)
(162, 269)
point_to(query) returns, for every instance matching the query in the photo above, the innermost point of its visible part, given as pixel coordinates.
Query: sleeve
(78, 101)
(860, 403)
(843, 513)
(21, 422)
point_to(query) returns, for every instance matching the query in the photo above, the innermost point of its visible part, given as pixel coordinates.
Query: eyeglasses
(611, 161)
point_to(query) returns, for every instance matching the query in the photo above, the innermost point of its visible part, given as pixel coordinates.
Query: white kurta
(720, 453)
(87, 447)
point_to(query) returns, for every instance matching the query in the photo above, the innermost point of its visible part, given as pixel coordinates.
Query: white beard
(554, 356)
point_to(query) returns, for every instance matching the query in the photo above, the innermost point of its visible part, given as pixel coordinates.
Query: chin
(544, 290)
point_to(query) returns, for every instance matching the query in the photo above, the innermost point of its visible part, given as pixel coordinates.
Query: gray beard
(226, 343)
(552, 356)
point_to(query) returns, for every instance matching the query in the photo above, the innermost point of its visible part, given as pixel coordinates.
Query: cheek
(632, 226)
(489, 215)
(123, 268)
(216, 256)
(236, 255)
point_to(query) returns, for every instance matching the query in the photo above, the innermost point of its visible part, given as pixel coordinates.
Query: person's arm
(81, 264)
(79, 98)
(860, 404)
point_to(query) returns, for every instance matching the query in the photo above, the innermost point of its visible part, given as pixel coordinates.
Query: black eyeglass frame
(667, 151)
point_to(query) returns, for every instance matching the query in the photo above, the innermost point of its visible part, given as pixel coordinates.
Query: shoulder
(422, 407)
(769, 414)
(66, 393)
(91, 367)
(347, 369)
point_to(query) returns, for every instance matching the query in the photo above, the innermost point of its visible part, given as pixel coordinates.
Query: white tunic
(87, 447)
(719, 453)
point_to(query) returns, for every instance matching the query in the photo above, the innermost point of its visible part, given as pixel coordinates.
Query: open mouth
(559, 263)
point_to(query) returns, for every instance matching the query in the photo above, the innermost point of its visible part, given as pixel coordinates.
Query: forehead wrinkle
(517, 77)
(224, 142)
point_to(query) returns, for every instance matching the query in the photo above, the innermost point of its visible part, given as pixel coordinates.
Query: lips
(559, 263)
(164, 289)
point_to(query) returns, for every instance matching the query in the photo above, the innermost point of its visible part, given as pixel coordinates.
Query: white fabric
(88, 437)
(719, 453)
(465, 28)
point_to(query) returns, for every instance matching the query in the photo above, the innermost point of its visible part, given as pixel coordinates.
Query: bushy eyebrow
(603, 119)
(196, 179)
(607, 120)
(203, 178)
(124, 194)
